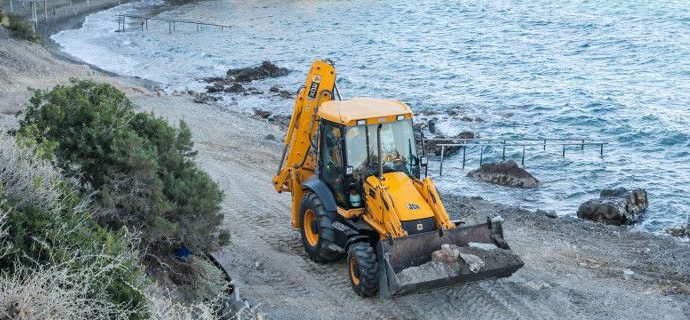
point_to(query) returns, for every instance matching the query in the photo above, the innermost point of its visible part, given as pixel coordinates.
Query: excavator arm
(298, 162)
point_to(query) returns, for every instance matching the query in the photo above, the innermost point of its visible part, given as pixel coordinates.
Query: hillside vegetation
(96, 204)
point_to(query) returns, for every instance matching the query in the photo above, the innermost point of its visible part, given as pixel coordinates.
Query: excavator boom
(298, 162)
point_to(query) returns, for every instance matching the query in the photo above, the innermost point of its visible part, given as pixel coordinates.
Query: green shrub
(141, 167)
(19, 28)
(47, 225)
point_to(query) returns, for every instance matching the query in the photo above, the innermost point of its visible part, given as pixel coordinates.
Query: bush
(141, 168)
(51, 248)
(19, 28)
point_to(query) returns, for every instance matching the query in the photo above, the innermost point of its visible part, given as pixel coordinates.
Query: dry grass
(57, 292)
(5, 247)
(26, 178)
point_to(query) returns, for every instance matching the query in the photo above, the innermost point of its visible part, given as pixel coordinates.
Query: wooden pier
(172, 23)
(519, 143)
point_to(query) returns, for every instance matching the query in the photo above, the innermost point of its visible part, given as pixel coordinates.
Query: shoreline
(73, 18)
(574, 269)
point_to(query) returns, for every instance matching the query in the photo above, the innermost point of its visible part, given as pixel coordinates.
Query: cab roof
(373, 111)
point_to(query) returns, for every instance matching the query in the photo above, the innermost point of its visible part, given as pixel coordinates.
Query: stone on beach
(615, 206)
(506, 173)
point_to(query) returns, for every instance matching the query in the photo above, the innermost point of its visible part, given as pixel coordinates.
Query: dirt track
(574, 269)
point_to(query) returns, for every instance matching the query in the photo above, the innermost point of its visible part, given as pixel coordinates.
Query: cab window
(332, 164)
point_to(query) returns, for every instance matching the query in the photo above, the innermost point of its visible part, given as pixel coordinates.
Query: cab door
(331, 160)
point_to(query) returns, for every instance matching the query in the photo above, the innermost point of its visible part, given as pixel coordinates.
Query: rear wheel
(316, 228)
(363, 269)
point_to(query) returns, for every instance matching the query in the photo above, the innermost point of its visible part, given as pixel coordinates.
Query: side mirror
(423, 161)
(348, 170)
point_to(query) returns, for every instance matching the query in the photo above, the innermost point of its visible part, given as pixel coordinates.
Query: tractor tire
(363, 269)
(316, 228)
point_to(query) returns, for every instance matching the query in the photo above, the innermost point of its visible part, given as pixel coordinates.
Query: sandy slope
(26, 65)
(574, 270)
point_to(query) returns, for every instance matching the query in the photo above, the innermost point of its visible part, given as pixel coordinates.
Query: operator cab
(354, 135)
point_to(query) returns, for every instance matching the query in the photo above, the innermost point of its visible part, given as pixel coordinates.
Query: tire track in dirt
(272, 227)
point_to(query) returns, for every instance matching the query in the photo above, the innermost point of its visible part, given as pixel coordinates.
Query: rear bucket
(405, 263)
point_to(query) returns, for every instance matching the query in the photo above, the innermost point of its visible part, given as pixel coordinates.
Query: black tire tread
(365, 258)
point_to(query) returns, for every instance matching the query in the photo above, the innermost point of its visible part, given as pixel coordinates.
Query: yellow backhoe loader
(354, 172)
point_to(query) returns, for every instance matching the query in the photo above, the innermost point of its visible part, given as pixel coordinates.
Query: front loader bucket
(405, 263)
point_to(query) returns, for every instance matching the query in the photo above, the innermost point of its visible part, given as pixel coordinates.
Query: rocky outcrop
(615, 206)
(506, 173)
(235, 78)
(266, 70)
(272, 117)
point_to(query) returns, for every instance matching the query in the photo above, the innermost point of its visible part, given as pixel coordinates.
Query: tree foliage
(141, 168)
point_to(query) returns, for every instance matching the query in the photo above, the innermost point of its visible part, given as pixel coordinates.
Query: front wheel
(363, 269)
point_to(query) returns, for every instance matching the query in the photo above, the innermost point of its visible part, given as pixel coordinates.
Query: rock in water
(682, 231)
(431, 146)
(506, 173)
(266, 70)
(615, 206)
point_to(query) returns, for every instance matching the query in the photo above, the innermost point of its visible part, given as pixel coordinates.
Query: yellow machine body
(400, 219)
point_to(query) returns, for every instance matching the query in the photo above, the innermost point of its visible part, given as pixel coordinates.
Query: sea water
(614, 71)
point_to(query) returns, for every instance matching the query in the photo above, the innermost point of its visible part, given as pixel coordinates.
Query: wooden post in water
(34, 16)
(443, 151)
(11, 6)
(481, 155)
(504, 150)
(45, 9)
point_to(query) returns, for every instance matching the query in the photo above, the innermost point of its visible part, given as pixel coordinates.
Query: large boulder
(615, 206)
(266, 70)
(506, 173)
